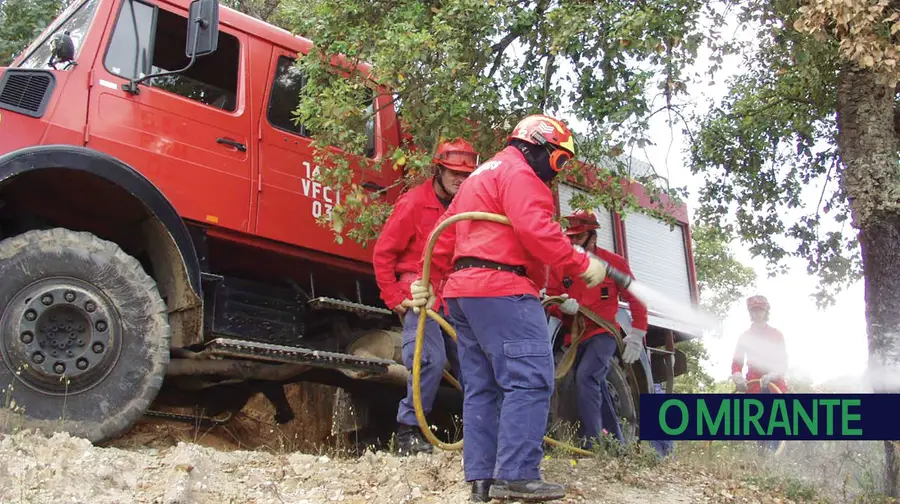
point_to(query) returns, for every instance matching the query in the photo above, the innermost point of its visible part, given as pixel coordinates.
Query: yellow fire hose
(565, 363)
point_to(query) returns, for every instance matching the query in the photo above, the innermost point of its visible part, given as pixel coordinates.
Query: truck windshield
(75, 21)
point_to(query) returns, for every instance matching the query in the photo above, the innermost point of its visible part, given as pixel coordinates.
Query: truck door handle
(237, 145)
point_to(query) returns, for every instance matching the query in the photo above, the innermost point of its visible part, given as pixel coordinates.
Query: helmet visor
(453, 159)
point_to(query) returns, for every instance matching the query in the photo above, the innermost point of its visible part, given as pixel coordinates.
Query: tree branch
(518, 30)
(780, 101)
(548, 74)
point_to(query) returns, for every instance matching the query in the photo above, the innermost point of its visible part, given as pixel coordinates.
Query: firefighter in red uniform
(592, 362)
(396, 259)
(495, 272)
(762, 346)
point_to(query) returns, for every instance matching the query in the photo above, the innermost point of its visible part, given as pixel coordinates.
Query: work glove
(739, 382)
(421, 295)
(766, 380)
(543, 294)
(595, 273)
(403, 306)
(569, 306)
(634, 343)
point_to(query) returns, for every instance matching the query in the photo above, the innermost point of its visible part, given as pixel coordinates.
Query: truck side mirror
(203, 28)
(202, 39)
(62, 49)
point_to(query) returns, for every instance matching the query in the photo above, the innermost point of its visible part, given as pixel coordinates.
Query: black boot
(480, 490)
(526, 490)
(411, 441)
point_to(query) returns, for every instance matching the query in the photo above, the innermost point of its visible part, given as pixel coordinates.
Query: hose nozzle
(621, 279)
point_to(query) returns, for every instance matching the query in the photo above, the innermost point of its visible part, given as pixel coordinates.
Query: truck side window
(147, 40)
(285, 98)
(76, 23)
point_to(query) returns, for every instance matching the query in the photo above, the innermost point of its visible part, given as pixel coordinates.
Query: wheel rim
(60, 336)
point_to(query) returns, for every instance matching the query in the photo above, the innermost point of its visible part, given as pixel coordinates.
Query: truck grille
(26, 91)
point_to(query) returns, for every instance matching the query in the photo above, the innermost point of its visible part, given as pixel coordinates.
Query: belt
(475, 262)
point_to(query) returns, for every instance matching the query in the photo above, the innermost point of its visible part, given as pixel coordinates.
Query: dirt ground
(63, 469)
(252, 460)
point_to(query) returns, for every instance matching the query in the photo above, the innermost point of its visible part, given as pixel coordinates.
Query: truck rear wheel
(623, 400)
(564, 404)
(84, 335)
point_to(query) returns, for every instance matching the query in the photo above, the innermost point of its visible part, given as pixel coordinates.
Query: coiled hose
(565, 363)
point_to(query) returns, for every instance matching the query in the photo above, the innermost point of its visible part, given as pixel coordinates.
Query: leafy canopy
(473, 68)
(21, 21)
(769, 152)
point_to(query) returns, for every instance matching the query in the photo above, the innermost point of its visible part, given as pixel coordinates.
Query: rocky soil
(61, 469)
(252, 460)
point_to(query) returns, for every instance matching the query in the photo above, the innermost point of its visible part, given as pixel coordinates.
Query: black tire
(84, 335)
(623, 400)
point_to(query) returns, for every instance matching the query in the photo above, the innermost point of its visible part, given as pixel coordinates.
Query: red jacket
(506, 185)
(602, 300)
(765, 352)
(402, 242)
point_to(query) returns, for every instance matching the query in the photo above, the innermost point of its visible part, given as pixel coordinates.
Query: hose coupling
(621, 279)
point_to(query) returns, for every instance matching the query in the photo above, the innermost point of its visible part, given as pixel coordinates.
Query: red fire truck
(157, 226)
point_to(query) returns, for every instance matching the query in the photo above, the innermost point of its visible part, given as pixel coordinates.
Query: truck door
(190, 132)
(290, 200)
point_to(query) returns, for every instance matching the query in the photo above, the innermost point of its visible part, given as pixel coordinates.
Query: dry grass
(807, 471)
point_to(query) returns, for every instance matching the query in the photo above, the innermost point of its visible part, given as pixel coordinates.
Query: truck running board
(225, 347)
(337, 304)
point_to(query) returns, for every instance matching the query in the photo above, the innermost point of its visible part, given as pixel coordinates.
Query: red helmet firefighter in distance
(758, 306)
(550, 133)
(757, 302)
(581, 222)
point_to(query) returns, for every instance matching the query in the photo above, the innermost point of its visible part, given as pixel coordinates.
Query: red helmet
(581, 222)
(544, 130)
(757, 302)
(457, 155)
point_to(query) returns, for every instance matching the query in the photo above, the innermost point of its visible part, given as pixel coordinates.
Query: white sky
(822, 345)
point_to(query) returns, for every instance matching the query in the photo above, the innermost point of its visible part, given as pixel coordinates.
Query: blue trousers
(506, 360)
(663, 447)
(437, 349)
(768, 444)
(595, 407)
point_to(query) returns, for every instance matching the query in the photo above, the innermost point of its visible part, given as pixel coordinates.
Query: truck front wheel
(84, 335)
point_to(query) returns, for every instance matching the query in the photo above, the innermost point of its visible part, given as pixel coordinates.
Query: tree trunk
(871, 179)
(881, 258)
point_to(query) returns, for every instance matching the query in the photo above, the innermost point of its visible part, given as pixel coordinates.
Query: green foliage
(21, 21)
(269, 11)
(472, 68)
(774, 135)
(721, 278)
(696, 380)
